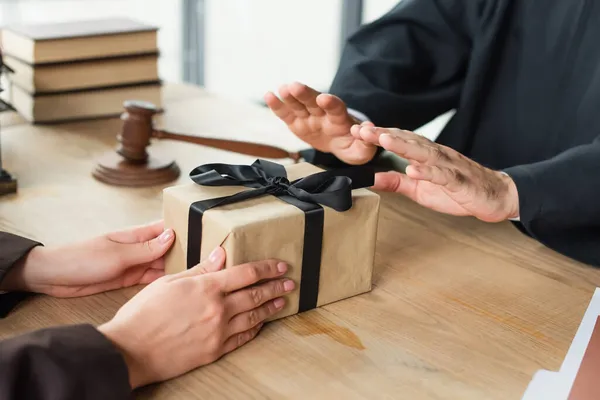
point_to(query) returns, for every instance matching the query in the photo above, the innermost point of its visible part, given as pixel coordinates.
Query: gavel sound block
(132, 166)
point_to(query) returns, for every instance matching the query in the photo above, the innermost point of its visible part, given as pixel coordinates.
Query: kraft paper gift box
(325, 230)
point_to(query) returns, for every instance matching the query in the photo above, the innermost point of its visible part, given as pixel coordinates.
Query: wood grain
(460, 309)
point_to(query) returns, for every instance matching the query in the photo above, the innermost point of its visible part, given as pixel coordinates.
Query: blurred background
(235, 48)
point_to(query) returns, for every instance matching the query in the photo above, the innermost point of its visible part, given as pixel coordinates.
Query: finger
(355, 131)
(334, 107)
(298, 108)
(373, 133)
(250, 298)
(452, 179)
(397, 182)
(249, 319)
(137, 234)
(239, 277)
(417, 151)
(215, 262)
(151, 275)
(144, 252)
(369, 134)
(367, 123)
(240, 339)
(281, 110)
(308, 97)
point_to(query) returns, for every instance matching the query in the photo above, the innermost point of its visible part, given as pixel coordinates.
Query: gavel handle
(248, 148)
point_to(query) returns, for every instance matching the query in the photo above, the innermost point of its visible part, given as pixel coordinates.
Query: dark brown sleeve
(70, 362)
(12, 249)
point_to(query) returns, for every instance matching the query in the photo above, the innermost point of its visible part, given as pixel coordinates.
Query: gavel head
(136, 131)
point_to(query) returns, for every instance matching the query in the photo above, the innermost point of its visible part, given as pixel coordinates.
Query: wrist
(21, 277)
(138, 375)
(512, 197)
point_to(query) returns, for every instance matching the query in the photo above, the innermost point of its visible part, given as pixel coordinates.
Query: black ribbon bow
(328, 188)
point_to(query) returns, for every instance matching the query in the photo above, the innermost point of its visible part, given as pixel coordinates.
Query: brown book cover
(80, 104)
(587, 385)
(86, 74)
(78, 40)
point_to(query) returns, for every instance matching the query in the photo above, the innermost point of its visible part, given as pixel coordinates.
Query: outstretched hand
(441, 178)
(321, 120)
(112, 261)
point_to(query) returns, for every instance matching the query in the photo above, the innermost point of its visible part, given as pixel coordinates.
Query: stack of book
(80, 70)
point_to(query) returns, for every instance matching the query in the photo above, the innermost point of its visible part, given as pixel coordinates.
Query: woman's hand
(190, 319)
(112, 261)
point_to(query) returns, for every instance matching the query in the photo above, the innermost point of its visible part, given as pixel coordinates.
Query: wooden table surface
(459, 309)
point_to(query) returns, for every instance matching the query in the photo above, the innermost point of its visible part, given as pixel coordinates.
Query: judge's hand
(115, 260)
(190, 319)
(321, 120)
(442, 179)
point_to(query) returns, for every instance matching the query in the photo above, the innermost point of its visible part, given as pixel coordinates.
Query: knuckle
(252, 318)
(458, 176)
(242, 338)
(253, 272)
(278, 287)
(256, 295)
(439, 154)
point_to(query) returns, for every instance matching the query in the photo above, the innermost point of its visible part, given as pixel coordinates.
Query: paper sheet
(550, 385)
(547, 385)
(572, 361)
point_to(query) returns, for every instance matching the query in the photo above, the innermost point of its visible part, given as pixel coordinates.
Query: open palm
(321, 120)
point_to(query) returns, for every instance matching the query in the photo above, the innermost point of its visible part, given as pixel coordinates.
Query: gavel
(131, 165)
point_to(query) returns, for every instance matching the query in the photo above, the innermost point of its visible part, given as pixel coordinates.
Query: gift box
(322, 223)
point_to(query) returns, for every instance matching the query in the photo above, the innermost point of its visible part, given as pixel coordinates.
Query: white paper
(550, 385)
(547, 385)
(572, 361)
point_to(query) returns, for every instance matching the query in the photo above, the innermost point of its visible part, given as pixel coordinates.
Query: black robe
(524, 77)
(64, 362)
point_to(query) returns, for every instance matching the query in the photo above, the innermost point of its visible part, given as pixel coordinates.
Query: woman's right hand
(186, 320)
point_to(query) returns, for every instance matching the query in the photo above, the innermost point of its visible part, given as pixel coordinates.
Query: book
(87, 74)
(577, 377)
(586, 384)
(80, 104)
(80, 40)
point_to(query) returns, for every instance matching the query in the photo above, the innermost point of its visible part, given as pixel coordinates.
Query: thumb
(148, 250)
(215, 262)
(394, 181)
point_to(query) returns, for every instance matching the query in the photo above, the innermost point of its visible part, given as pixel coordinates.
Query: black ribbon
(328, 188)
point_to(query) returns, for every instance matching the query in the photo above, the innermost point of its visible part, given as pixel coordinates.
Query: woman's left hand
(112, 261)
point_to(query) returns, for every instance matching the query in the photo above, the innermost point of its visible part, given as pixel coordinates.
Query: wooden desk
(459, 310)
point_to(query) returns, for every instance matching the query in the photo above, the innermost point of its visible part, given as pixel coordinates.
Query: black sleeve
(559, 201)
(63, 363)
(408, 67)
(12, 249)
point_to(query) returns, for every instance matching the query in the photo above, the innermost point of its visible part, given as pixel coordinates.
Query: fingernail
(278, 303)
(282, 267)
(165, 236)
(216, 255)
(288, 285)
